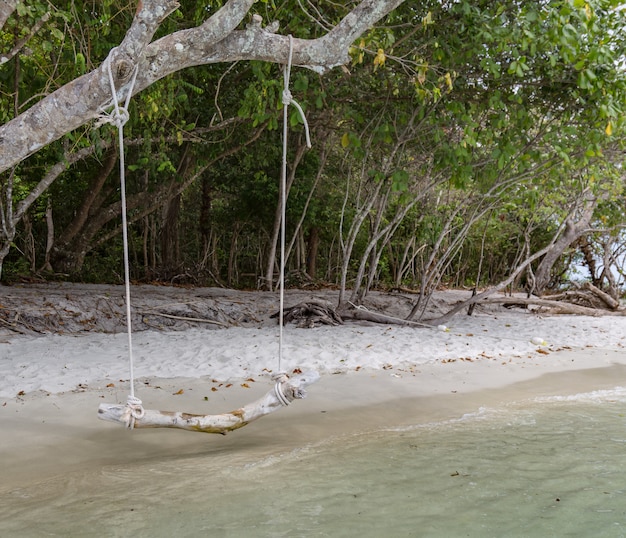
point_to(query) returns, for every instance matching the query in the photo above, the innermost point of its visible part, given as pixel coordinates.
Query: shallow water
(546, 467)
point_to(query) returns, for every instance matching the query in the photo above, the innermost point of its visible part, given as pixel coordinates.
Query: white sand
(372, 377)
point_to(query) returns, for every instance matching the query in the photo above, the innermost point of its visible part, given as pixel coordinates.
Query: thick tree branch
(83, 99)
(7, 7)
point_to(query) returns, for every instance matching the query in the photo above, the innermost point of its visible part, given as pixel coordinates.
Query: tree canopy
(452, 141)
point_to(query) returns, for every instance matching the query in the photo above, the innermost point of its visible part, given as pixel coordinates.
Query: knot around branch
(119, 115)
(133, 411)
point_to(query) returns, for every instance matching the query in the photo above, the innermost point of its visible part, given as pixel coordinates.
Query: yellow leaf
(380, 58)
(588, 12)
(345, 140)
(448, 79)
(421, 76)
(609, 129)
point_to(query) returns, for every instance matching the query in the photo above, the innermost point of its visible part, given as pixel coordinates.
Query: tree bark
(6, 9)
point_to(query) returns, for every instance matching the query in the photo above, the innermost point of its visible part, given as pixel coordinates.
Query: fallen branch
(557, 307)
(284, 392)
(609, 301)
(362, 314)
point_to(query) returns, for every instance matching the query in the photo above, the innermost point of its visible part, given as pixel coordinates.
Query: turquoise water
(546, 467)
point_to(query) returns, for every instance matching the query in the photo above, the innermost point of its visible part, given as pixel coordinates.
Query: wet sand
(48, 435)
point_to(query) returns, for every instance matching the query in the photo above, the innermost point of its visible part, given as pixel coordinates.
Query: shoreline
(46, 436)
(374, 377)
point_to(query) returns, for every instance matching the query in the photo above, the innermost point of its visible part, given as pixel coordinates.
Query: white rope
(287, 100)
(118, 117)
(278, 389)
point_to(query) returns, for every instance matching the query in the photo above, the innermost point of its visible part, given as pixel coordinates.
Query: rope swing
(287, 100)
(285, 389)
(118, 117)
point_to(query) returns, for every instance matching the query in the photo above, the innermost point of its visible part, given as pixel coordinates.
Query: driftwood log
(555, 307)
(587, 295)
(284, 392)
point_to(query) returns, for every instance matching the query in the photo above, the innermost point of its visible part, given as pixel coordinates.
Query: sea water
(547, 467)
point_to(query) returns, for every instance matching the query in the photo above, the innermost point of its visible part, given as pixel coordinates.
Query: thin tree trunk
(573, 229)
(271, 257)
(49, 236)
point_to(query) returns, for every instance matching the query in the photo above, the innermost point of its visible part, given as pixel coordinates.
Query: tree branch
(20, 44)
(83, 99)
(7, 7)
(286, 391)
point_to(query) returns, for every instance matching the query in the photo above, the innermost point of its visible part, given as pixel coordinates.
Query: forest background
(465, 144)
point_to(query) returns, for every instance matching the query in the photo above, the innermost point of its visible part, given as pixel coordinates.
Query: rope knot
(118, 116)
(287, 97)
(134, 411)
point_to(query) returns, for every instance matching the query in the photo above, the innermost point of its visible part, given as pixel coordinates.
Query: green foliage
(507, 108)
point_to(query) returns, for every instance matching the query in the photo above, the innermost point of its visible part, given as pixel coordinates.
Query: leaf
(301, 84)
(400, 181)
(609, 129)
(379, 58)
(294, 118)
(57, 33)
(181, 391)
(345, 140)
(80, 63)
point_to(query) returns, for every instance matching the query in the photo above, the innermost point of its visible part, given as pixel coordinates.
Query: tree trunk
(49, 236)
(69, 250)
(313, 243)
(170, 252)
(271, 257)
(573, 229)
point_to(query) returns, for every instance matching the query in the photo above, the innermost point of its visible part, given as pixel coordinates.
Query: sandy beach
(373, 377)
